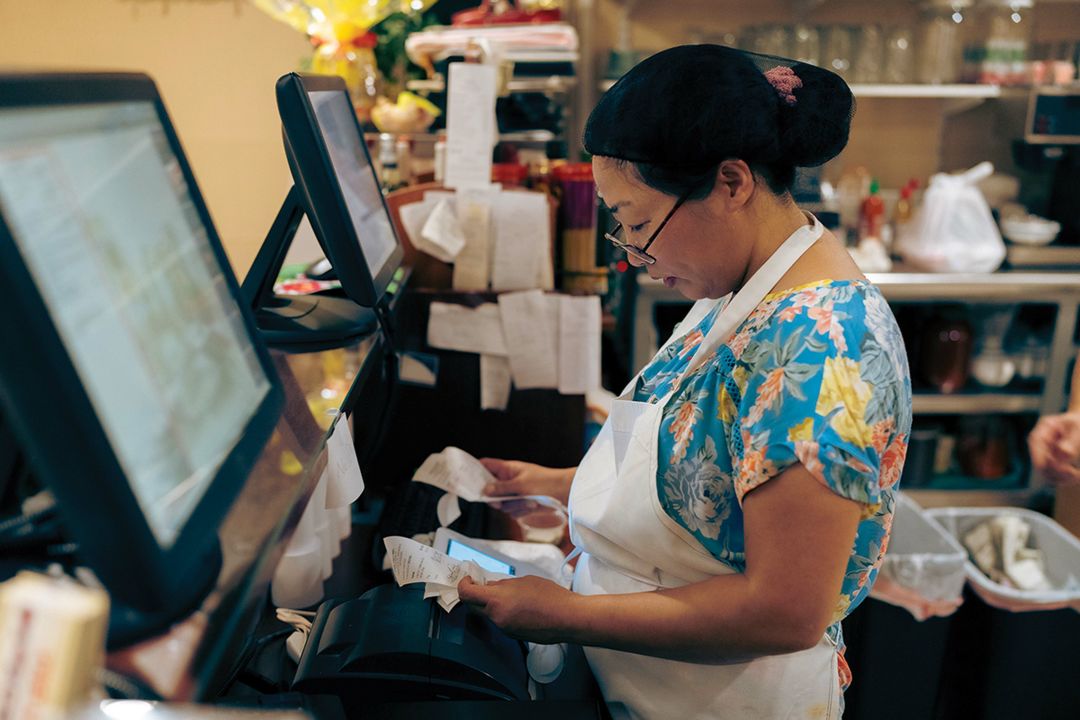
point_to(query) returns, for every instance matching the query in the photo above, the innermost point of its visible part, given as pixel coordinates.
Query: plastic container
(1013, 653)
(1060, 548)
(996, 45)
(897, 637)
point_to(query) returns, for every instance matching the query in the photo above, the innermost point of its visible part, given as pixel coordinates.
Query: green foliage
(394, 64)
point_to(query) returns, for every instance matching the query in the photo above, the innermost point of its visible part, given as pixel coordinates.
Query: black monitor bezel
(314, 175)
(55, 420)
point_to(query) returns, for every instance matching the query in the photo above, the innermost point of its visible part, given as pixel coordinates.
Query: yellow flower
(725, 406)
(841, 387)
(740, 375)
(802, 431)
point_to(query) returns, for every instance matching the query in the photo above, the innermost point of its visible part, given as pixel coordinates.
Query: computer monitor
(132, 376)
(331, 165)
(337, 188)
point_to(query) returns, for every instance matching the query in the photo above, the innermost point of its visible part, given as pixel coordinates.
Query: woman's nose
(634, 260)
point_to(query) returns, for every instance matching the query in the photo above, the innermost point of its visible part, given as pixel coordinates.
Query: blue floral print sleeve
(817, 375)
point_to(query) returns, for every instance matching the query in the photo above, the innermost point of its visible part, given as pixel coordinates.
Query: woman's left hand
(527, 608)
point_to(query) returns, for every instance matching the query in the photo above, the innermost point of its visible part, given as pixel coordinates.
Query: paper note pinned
(441, 235)
(522, 225)
(472, 266)
(456, 327)
(495, 383)
(414, 215)
(470, 125)
(579, 344)
(530, 330)
(344, 479)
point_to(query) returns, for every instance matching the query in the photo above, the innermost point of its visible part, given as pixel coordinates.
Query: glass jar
(946, 354)
(806, 44)
(899, 56)
(996, 47)
(939, 40)
(839, 49)
(869, 56)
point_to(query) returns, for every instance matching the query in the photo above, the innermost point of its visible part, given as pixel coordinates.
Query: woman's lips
(670, 280)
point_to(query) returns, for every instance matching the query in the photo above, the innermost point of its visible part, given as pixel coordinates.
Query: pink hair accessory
(785, 81)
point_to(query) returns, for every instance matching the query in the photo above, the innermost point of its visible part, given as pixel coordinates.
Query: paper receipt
(413, 562)
(455, 471)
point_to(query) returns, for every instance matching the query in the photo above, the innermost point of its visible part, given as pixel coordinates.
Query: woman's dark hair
(681, 112)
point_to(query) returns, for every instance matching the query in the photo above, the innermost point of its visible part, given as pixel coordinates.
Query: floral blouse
(816, 374)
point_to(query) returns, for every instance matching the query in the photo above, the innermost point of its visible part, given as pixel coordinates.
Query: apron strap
(754, 291)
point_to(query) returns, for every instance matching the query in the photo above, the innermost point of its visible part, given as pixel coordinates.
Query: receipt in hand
(413, 562)
(459, 474)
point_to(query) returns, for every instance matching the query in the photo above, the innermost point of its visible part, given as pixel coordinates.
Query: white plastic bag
(923, 571)
(953, 230)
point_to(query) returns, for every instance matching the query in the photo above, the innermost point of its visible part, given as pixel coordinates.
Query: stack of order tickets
(413, 562)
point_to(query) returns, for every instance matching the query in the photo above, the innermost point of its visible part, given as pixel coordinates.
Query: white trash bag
(923, 570)
(953, 230)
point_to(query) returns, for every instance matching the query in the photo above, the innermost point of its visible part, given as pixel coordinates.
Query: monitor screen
(104, 228)
(344, 200)
(359, 185)
(461, 551)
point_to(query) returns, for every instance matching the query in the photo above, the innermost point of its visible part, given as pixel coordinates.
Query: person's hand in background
(1054, 445)
(514, 477)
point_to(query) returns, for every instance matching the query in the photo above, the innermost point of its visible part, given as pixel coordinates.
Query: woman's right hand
(514, 477)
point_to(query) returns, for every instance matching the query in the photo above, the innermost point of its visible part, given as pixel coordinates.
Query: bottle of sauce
(872, 214)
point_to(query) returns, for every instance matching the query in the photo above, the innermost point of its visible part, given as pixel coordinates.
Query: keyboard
(412, 510)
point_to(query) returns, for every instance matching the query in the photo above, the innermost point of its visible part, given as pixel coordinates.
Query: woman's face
(698, 251)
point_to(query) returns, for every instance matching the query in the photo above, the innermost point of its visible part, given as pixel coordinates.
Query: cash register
(389, 646)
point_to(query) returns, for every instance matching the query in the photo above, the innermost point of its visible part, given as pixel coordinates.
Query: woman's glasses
(641, 253)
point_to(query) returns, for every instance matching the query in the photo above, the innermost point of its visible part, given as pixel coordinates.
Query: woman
(737, 503)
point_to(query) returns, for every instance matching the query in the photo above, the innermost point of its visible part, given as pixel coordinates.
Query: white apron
(630, 544)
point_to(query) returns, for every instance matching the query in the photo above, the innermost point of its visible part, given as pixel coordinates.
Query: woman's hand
(527, 608)
(1055, 447)
(514, 477)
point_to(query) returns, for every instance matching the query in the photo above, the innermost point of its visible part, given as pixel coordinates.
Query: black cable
(390, 368)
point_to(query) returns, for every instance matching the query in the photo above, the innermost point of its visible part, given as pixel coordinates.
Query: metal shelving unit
(975, 403)
(1060, 289)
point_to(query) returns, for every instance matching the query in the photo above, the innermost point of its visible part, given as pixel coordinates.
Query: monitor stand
(299, 322)
(128, 625)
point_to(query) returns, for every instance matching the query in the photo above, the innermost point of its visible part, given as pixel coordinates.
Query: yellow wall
(215, 62)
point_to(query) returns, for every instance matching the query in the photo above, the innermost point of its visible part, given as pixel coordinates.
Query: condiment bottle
(872, 214)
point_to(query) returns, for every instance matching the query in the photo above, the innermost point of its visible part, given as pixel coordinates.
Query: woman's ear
(735, 181)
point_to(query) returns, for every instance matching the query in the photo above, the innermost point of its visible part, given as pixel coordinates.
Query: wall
(215, 62)
(894, 138)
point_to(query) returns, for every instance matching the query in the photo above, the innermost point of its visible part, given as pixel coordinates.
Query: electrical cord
(390, 368)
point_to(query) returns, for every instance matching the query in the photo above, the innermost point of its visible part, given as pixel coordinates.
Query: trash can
(896, 638)
(1015, 653)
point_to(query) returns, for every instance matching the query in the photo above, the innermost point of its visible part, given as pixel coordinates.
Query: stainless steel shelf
(975, 404)
(989, 497)
(957, 91)
(1007, 286)
(883, 90)
(522, 136)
